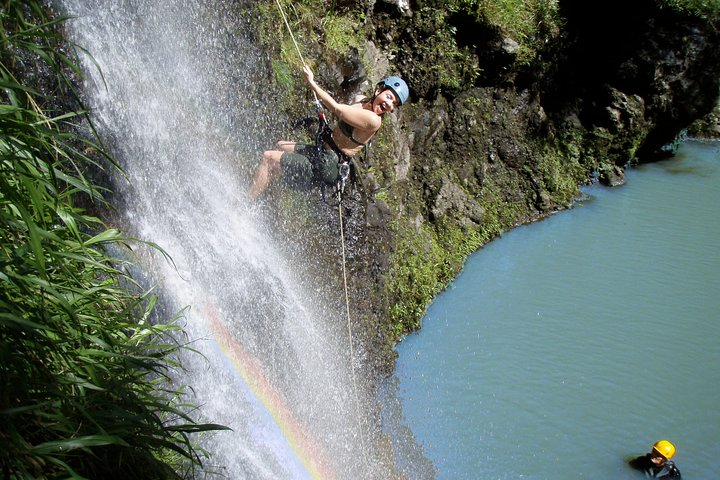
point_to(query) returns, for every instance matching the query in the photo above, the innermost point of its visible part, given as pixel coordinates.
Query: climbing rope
(344, 271)
(347, 312)
(297, 49)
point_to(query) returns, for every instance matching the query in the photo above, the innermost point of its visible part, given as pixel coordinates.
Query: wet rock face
(681, 60)
(513, 145)
(708, 126)
(452, 199)
(665, 66)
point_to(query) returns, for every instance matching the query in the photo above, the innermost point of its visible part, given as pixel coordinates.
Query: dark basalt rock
(456, 166)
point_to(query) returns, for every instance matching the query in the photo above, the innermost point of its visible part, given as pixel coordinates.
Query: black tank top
(347, 130)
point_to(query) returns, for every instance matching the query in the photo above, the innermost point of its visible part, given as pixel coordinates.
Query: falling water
(169, 87)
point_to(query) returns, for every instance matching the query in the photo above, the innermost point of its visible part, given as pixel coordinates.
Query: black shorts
(297, 166)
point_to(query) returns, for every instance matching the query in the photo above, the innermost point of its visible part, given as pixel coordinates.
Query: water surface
(570, 344)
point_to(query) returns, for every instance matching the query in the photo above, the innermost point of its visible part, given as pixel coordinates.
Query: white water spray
(172, 102)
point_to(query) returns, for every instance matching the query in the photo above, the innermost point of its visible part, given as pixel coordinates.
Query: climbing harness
(341, 182)
(324, 137)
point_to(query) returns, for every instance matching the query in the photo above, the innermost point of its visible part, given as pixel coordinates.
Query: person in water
(357, 123)
(657, 463)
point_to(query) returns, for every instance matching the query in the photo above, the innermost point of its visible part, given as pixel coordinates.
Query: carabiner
(343, 175)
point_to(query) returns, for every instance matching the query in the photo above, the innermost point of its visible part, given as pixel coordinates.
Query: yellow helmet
(664, 448)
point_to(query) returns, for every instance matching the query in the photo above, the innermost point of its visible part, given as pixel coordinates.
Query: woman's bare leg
(269, 168)
(286, 146)
(267, 171)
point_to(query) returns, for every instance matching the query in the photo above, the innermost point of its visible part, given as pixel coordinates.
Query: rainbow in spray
(307, 449)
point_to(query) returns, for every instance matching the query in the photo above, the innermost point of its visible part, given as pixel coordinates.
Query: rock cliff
(499, 131)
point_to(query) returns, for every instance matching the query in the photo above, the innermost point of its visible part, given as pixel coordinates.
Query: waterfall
(169, 84)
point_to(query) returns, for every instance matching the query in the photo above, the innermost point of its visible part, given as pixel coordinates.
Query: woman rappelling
(301, 164)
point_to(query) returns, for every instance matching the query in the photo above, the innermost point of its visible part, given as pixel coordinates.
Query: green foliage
(340, 34)
(446, 63)
(700, 8)
(85, 390)
(500, 214)
(528, 22)
(422, 266)
(447, 59)
(417, 275)
(283, 75)
(322, 33)
(561, 174)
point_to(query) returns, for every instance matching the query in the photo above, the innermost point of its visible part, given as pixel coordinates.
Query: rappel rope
(347, 311)
(344, 271)
(297, 49)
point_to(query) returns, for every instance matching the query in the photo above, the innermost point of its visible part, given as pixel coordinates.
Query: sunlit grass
(698, 8)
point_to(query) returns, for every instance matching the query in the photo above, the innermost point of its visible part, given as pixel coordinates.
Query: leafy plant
(85, 385)
(699, 8)
(526, 22)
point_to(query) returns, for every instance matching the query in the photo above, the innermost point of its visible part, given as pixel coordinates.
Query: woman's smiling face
(385, 102)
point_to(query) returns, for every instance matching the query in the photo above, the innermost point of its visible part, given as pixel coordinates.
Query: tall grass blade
(85, 362)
